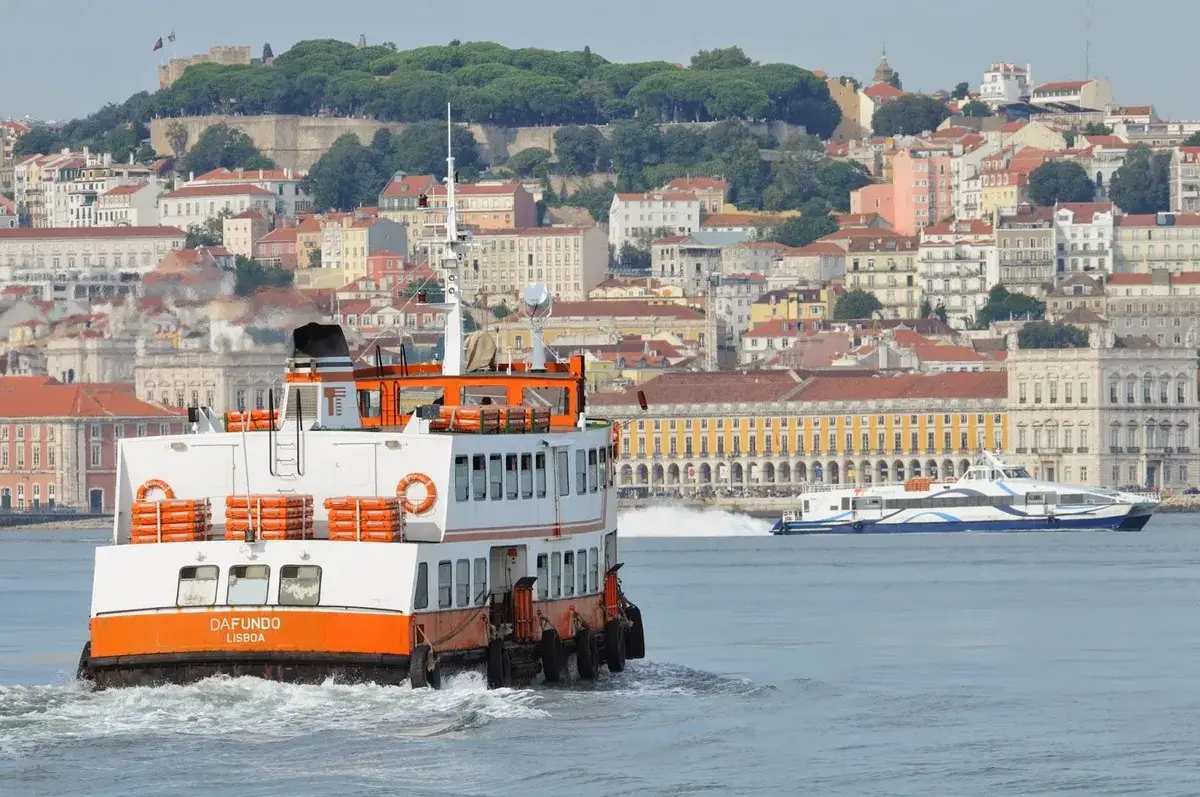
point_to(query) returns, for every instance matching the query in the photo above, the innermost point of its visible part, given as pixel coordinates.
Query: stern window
(481, 587)
(445, 585)
(197, 586)
(421, 598)
(556, 575)
(248, 585)
(299, 585)
(479, 489)
(543, 577)
(527, 475)
(568, 574)
(539, 473)
(581, 558)
(510, 476)
(462, 485)
(462, 583)
(562, 470)
(496, 476)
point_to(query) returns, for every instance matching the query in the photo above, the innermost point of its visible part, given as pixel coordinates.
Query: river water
(850, 665)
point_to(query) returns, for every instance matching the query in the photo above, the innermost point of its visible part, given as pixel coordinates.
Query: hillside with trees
(484, 82)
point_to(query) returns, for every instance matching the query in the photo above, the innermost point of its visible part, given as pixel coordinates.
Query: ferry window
(462, 583)
(539, 473)
(543, 577)
(563, 472)
(594, 572)
(481, 588)
(368, 403)
(409, 398)
(580, 471)
(197, 586)
(496, 476)
(479, 489)
(555, 398)
(462, 484)
(568, 574)
(299, 585)
(555, 575)
(421, 598)
(248, 585)
(445, 587)
(510, 476)
(581, 561)
(604, 467)
(527, 475)
(593, 471)
(610, 550)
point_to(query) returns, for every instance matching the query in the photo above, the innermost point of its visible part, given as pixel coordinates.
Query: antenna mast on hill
(453, 255)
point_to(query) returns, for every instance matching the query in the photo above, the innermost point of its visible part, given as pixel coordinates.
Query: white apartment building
(239, 233)
(97, 177)
(1103, 415)
(1147, 243)
(223, 380)
(1025, 244)
(732, 300)
(1094, 93)
(286, 185)
(196, 204)
(1004, 84)
(131, 205)
(137, 249)
(639, 218)
(1185, 179)
(957, 265)
(689, 261)
(1084, 236)
(569, 261)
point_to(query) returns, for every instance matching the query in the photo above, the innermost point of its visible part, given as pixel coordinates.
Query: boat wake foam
(684, 521)
(647, 677)
(34, 717)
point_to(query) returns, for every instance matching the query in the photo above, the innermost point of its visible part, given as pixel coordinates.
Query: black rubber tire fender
(614, 645)
(586, 660)
(553, 656)
(83, 671)
(635, 634)
(499, 665)
(420, 674)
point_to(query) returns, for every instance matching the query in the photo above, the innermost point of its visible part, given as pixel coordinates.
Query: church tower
(883, 71)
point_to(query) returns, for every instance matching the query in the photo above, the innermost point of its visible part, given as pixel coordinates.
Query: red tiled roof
(1012, 127)
(383, 254)
(979, 385)
(55, 233)
(1085, 211)
(409, 185)
(707, 387)
(623, 308)
(670, 239)
(477, 189)
(250, 214)
(40, 397)
(1062, 85)
(280, 235)
(1151, 220)
(774, 329)
(531, 231)
(883, 91)
(738, 220)
(189, 191)
(696, 184)
(658, 196)
(1112, 142)
(248, 175)
(815, 249)
(125, 190)
(959, 227)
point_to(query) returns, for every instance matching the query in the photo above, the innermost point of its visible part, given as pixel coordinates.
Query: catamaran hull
(1134, 521)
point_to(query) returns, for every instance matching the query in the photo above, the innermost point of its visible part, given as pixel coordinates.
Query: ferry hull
(1134, 521)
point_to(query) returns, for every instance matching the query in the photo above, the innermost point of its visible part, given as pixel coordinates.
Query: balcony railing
(1115, 450)
(1133, 450)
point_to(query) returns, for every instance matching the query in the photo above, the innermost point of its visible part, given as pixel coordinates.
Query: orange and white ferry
(386, 524)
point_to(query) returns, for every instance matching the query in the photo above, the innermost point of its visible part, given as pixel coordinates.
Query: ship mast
(454, 253)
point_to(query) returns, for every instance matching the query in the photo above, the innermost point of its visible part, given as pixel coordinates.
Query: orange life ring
(430, 493)
(156, 484)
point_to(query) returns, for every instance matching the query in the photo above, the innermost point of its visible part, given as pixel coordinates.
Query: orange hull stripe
(255, 630)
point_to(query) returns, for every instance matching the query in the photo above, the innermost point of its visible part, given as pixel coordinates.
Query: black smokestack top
(319, 340)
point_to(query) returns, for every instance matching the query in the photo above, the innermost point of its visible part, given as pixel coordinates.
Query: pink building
(58, 443)
(875, 198)
(921, 178)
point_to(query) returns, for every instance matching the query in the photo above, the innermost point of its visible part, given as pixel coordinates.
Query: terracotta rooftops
(409, 185)
(1151, 220)
(695, 184)
(883, 91)
(249, 175)
(976, 385)
(658, 196)
(125, 190)
(708, 387)
(279, 235)
(1062, 85)
(609, 308)
(41, 397)
(192, 191)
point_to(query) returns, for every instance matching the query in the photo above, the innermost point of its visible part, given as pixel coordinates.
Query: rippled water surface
(908, 665)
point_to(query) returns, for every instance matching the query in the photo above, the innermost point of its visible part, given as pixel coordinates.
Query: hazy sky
(65, 58)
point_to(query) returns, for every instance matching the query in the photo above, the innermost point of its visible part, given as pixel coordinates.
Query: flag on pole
(157, 45)
(171, 36)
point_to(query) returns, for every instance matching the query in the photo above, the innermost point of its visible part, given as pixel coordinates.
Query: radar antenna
(538, 308)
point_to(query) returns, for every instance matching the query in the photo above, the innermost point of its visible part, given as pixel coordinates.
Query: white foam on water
(251, 708)
(684, 521)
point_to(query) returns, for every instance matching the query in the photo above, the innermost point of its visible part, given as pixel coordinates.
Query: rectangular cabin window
(562, 469)
(197, 586)
(510, 476)
(554, 398)
(368, 403)
(248, 585)
(481, 581)
(539, 473)
(580, 471)
(445, 585)
(581, 562)
(462, 483)
(543, 577)
(568, 575)
(496, 476)
(421, 596)
(527, 475)
(604, 467)
(462, 583)
(299, 585)
(593, 471)
(409, 398)
(479, 488)
(555, 575)
(594, 571)
(610, 550)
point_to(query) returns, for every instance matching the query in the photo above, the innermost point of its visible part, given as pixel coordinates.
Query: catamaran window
(299, 585)
(1016, 473)
(197, 586)
(527, 475)
(368, 403)
(248, 585)
(594, 571)
(481, 588)
(604, 467)
(580, 471)
(562, 470)
(462, 483)
(581, 561)
(593, 471)
(510, 476)
(496, 476)
(568, 575)
(543, 577)
(539, 473)
(445, 585)
(479, 477)
(421, 598)
(462, 583)
(556, 575)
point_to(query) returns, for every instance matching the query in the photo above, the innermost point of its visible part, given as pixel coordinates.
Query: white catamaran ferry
(386, 524)
(991, 496)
